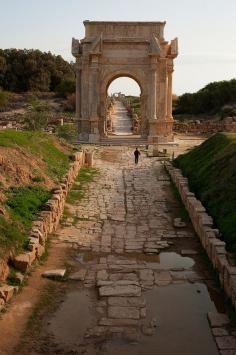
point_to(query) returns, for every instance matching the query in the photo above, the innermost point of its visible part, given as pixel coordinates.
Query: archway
(123, 107)
(115, 49)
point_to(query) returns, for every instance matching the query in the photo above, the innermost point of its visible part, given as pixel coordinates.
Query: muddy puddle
(180, 313)
(182, 325)
(171, 260)
(75, 315)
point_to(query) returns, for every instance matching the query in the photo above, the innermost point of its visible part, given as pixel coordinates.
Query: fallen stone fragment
(123, 312)
(120, 290)
(217, 319)
(79, 275)
(54, 274)
(226, 342)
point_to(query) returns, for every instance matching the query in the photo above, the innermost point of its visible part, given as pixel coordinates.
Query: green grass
(25, 202)
(211, 169)
(11, 236)
(85, 176)
(41, 145)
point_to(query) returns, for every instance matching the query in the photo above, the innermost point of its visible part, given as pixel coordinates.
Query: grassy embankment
(211, 169)
(22, 202)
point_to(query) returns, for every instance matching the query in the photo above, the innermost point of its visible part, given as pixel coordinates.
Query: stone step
(123, 141)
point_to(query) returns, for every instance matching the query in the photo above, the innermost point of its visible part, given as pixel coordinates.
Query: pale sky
(206, 30)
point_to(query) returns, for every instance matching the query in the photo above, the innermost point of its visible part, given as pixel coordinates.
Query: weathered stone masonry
(134, 49)
(203, 225)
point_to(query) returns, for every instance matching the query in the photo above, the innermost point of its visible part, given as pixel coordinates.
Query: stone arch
(134, 49)
(107, 79)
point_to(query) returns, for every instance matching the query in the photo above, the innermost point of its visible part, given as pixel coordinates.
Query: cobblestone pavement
(125, 225)
(122, 123)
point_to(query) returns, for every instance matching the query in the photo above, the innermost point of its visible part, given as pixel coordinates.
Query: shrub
(4, 100)
(37, 118)
(70, 104)
(66, 88)
(228, 111)
(67, 132)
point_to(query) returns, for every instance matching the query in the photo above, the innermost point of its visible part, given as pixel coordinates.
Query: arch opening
(123, 106)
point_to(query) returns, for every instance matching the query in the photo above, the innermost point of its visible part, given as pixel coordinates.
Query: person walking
(136, 155)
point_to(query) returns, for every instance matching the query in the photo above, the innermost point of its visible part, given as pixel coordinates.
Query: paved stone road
(122, 123)
(125, 225)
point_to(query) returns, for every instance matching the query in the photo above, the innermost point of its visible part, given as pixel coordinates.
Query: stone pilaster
(153, 99)
(78, 91)
(170, 70)
(94, 119)
(154, 94)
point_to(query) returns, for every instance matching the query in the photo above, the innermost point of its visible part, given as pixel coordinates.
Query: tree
(208, 100)
(32, 70)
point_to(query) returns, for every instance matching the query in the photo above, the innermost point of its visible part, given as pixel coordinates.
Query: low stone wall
(209, 236)
(205, 126)
(46, 224)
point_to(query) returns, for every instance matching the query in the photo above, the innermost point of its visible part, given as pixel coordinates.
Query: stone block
(54, 274)
(102, 275)
(40, 251)
(120, 290)
(138, 302)
(219, 332)
(123, 312)
(146, 275)
(226, 342)
(22, 262)
(217, 319)
(110, 322)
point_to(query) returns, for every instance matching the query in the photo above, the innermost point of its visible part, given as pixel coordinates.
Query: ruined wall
(46, 224)
(205, 126)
